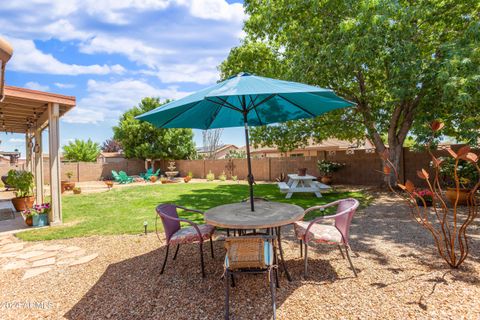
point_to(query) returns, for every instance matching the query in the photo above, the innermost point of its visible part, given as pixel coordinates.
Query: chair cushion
(254, 263)
(318, 232)
(189, 234)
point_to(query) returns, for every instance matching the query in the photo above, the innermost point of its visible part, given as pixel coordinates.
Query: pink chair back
(342, 222)
(170, 226)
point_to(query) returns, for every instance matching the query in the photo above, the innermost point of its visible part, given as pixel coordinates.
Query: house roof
(112, 154)
(325, 145)
(219, 148)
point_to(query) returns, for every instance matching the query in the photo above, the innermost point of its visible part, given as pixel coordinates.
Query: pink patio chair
(336, 234)
(177, 235)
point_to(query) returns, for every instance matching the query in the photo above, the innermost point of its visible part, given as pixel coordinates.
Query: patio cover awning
(24, 109)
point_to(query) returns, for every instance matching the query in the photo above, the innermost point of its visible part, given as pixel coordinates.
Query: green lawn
(123, 210)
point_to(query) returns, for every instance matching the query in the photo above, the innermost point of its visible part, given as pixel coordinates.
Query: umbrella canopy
(245, 100)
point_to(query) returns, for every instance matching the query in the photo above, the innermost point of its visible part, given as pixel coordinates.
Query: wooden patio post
(38, 150)
(54, 146)
(28, 153)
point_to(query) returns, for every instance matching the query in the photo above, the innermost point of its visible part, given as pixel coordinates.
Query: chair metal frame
(191, 223)
(349, 211)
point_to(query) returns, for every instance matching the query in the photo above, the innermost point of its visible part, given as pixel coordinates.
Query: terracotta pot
(67, 185)
(153, 178)
(24, 203)
(187, 179)
(109, 184)
(302, 172)
(451, 195)
(77, 191)
(29, 221)
(326, 180)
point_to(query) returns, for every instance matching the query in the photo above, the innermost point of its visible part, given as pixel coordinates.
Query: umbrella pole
(249, 164)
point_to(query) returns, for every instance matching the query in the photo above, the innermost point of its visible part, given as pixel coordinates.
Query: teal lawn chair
(116, 176)
(124, 177)
(146, 176)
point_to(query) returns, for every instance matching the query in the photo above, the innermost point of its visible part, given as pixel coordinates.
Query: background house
(312, 149)
(219, 153)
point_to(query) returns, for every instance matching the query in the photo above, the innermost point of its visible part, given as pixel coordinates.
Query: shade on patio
(245, 100)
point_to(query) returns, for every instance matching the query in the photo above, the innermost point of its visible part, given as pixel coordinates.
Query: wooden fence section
(361, 167)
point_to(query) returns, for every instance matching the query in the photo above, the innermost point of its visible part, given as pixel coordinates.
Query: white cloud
(16, 140)
(36, 86)
(216, 10)
(135, 50)
(63, 30)
(64, 85)
(108, 100)
(28, 58)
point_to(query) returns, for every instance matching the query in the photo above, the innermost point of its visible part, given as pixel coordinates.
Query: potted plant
(67, 184)
(40, 214)
(424, 197)
(327, 168)
(302, 172)
(22, 181)
(466, 174)
(108, 183)
(163, 180)
(28, 216)
(77, 190)
(188, 177)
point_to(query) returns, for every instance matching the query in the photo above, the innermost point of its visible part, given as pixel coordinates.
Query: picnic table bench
(305, 183)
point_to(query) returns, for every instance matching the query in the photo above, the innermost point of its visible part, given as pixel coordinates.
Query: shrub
(222, 177)
(210, 176)
(234, 178)
(326, 168)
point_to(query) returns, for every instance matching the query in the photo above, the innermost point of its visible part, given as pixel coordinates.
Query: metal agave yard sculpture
(447, 221)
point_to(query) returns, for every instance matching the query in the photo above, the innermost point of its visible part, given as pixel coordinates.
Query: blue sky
(111, 53)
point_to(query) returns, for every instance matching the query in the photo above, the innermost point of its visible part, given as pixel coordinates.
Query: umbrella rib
(224, 104)
(296, 105)
(179, 114)
(262, 102)
(256, 112)
(213, 116)
(252, 101)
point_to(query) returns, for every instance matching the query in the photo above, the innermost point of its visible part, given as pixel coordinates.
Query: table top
(295, 176)
(266, 215)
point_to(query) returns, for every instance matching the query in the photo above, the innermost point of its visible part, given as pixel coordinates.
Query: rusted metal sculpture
(448, 222)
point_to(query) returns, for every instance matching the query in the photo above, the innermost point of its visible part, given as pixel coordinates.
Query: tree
(142, 140)
(81, 150)
(111, 145)
(211, 142)
(236, 154)
(403, 63)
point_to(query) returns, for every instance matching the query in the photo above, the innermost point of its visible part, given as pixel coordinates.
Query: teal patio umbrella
(245, 100)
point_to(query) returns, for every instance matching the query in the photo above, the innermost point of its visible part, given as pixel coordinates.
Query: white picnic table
(306, 183)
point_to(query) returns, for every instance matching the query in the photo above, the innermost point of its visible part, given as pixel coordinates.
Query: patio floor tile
(19, 264)
(83, 259)
(30, 254)
(35, 272)
(43, 262)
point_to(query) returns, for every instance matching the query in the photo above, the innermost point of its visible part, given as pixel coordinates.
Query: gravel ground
(400, 276)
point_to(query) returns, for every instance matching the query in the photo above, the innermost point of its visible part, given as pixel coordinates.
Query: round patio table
(267, 215)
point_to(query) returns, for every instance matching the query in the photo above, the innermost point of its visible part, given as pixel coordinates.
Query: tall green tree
(81, 150)
(144, 141)
(404, 63)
